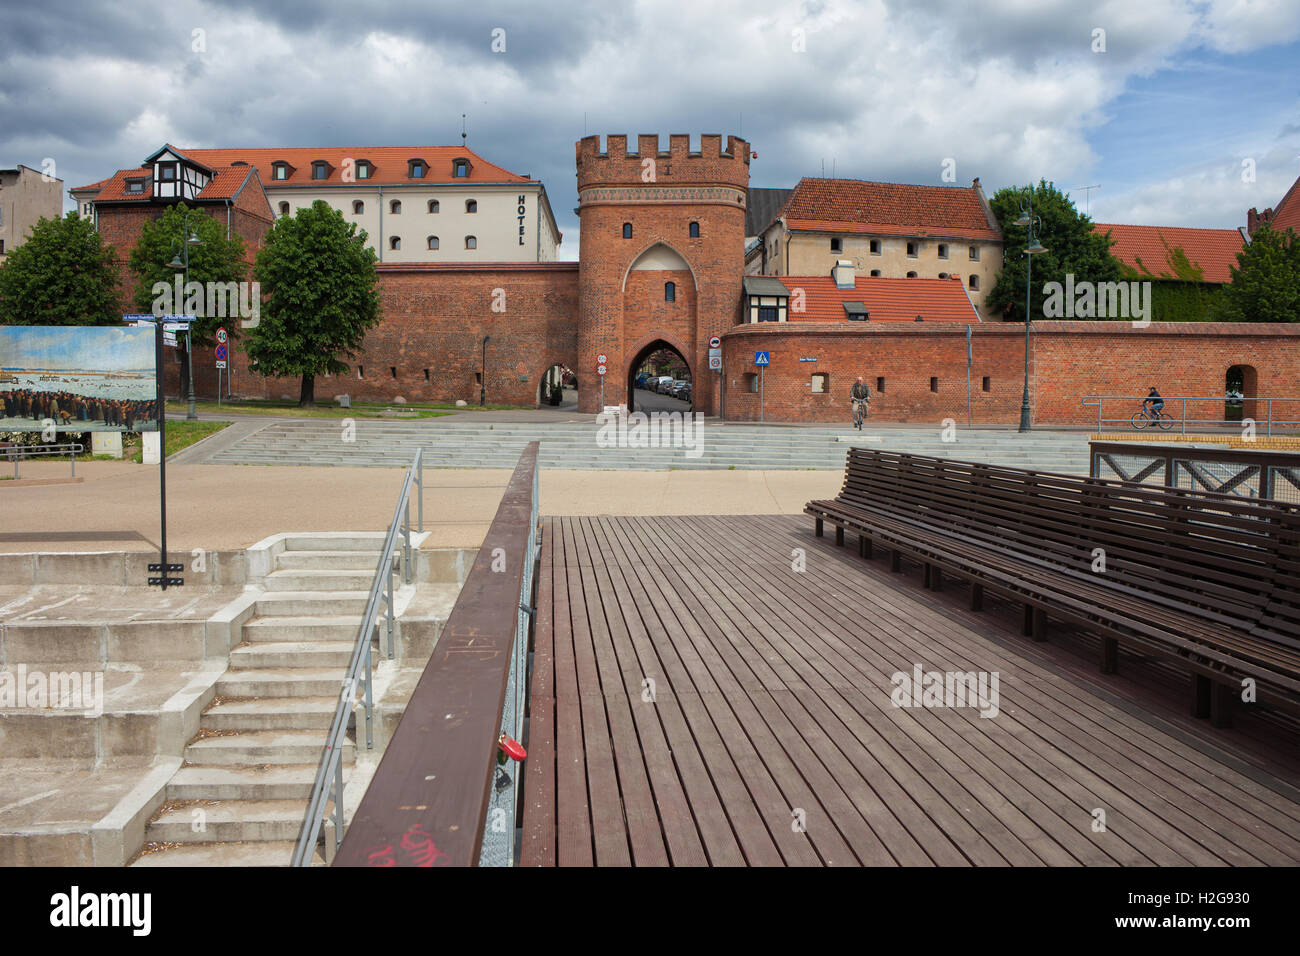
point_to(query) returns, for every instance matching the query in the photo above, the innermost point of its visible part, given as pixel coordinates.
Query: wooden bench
(1209, 581)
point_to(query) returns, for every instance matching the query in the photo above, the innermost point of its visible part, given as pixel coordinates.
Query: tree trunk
(307, 396)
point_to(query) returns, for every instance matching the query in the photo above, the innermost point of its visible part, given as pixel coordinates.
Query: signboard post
(221, 360)
(601, 369)
(163, 568)
(762, 360)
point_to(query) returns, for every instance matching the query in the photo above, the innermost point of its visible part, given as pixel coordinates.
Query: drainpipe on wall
(380, 243)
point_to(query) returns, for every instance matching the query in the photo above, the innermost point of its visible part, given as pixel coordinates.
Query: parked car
(675, 389)
(662, 384)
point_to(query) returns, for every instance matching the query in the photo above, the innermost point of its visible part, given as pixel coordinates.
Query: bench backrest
(1227, 559)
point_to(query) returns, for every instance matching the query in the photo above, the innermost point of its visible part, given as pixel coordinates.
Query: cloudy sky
(1185, 112)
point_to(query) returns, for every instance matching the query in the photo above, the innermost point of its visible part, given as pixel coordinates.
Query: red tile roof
(390, 164)
(98, 185)
(226, 182)
(1148, 248)
(894, 209)
(1286, 214)
(886, 299)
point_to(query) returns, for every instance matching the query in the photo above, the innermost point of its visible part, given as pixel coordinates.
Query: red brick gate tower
(663, 256)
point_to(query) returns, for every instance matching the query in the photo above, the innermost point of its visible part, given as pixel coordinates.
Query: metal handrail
(381, 589)
(17, 453)
(1269, 421)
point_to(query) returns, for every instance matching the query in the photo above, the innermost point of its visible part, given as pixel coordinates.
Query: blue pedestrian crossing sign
(760, 358)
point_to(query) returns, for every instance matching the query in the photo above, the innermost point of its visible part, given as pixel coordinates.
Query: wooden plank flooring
(717, 691)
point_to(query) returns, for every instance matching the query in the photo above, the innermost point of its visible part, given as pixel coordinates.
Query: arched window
(395, 207)
(975, 282)
(433, 205)
(471, 242)
(394, 242)
(876, 273)
(627, 230)
(433, 242)
(695, 230)
(471, 205)
(284, 209)
(670, 292)
(358, 207)
(911, 275)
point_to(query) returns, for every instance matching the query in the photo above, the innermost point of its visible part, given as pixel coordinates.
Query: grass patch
(329, 410)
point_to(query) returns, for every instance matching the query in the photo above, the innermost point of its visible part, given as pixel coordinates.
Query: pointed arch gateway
(641, 355)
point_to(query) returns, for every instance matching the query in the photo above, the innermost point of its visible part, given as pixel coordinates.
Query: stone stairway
(469, 444)
(242, 792)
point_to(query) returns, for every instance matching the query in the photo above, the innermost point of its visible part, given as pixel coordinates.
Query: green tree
(215, 259)
(1072, 247)
(1265, 284)
(322, 295)
(62, 275)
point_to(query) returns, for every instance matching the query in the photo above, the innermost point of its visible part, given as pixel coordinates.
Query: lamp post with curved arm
(181, 260)
(1027, 218)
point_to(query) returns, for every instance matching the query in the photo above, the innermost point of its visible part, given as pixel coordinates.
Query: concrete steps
(241, 796)
(574, 445)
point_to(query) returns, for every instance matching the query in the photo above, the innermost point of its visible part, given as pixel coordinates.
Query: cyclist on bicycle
(1156, 403)
(861, 398)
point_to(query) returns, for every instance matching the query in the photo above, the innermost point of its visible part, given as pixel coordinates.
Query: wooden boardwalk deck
(697, 701)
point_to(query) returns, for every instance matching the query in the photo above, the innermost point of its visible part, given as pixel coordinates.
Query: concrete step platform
(273, 713)
(260, 853)
(327, 560)
(322, 580)
(281, 682)
(266, 782)
(310, 603)
(351, 541)
(249, 748)
(302, 628)
(266, 654)
(227, 821)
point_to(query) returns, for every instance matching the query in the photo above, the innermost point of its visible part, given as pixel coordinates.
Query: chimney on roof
(843, 274)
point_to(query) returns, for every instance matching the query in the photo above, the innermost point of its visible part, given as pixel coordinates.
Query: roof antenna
(823, 169)
(464, 136)
(1088, 197)
(832, 167)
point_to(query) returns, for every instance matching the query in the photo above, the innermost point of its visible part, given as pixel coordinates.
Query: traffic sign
(221, 354)
(760, 358)
(601, 359)
(715, 342)
(600, 370)
(221, 336)
(715, 361)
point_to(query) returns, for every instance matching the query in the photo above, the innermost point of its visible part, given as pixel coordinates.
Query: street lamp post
(190, 239)
(1027, 218)
(482, 379)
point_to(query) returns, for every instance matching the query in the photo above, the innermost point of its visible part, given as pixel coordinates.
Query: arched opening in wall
(558, 388)
(1240, 389)
(658, 380)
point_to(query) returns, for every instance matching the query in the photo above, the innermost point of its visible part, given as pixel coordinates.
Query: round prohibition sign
(221, 335)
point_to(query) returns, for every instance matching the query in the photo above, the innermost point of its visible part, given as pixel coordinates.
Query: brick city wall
(428, 346)
(924, 369)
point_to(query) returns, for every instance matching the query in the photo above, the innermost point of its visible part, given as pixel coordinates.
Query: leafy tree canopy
(1265, 284)
(63, 274)
(215, 259)
(1072, 247)
(321, 296)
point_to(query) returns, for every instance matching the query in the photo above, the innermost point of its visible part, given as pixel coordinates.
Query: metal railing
(1178, 403)
(1245, 473)
(440, 796)
(17, 453)
(329, 775)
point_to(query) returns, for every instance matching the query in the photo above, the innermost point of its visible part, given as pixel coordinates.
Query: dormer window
(416, 168)
(135, 185)
(280, 171)
(320, 170)
(460, 168)
(167, 172)
(363, 169)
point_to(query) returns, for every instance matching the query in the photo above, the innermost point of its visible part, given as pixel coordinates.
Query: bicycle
(1144, 417)
(859, 412)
